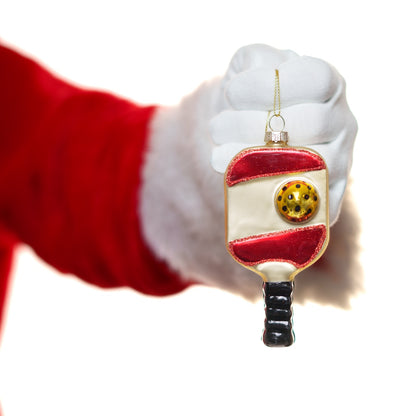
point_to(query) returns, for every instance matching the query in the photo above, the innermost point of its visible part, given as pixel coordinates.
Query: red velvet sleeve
(70, 163)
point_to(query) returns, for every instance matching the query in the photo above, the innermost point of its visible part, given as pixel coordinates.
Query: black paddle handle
(278, 308)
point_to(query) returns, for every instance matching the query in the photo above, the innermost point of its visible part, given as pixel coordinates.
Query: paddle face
(277, 221)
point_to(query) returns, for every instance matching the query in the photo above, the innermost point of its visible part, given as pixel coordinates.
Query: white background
(72, 349)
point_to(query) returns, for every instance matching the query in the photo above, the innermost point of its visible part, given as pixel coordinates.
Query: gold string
(276, 99)
(276, 94)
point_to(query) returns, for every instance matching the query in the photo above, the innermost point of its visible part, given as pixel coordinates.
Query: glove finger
(302, 80)
(336, 195)
(257, 56)
(223, 154)
(311, 124)
(238, 126)
(337, 153)
(306, 123)
(338, 157)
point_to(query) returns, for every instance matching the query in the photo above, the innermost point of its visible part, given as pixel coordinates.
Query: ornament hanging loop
(282, 120)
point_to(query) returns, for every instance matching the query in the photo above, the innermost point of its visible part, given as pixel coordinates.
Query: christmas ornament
(277, 217)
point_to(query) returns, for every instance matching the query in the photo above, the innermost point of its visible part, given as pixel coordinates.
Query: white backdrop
(71, 349)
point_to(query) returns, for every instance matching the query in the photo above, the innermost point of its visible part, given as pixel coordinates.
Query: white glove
(182, 210)
(313, 105)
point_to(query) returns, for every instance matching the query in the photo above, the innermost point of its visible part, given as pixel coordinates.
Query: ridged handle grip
(278, 308)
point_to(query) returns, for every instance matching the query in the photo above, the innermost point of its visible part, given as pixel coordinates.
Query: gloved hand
(313, 104)
(182, 209)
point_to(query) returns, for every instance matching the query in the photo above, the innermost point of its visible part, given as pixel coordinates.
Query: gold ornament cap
(276, 137)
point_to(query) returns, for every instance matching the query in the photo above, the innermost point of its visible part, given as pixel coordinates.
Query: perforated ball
(297, 201)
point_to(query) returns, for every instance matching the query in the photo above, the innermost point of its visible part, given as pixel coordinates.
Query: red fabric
(298, 246)
(6, 256)
(251, 164)
(70, 163)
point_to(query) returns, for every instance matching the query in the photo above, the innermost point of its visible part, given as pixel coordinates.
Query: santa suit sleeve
(70, 178)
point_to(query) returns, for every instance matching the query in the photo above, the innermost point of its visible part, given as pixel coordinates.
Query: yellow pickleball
(297, 201)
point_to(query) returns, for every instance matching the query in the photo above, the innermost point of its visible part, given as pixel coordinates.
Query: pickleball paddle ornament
(277, 220)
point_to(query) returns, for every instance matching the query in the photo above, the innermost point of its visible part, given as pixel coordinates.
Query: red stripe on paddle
(251, 164)
(298, 247)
